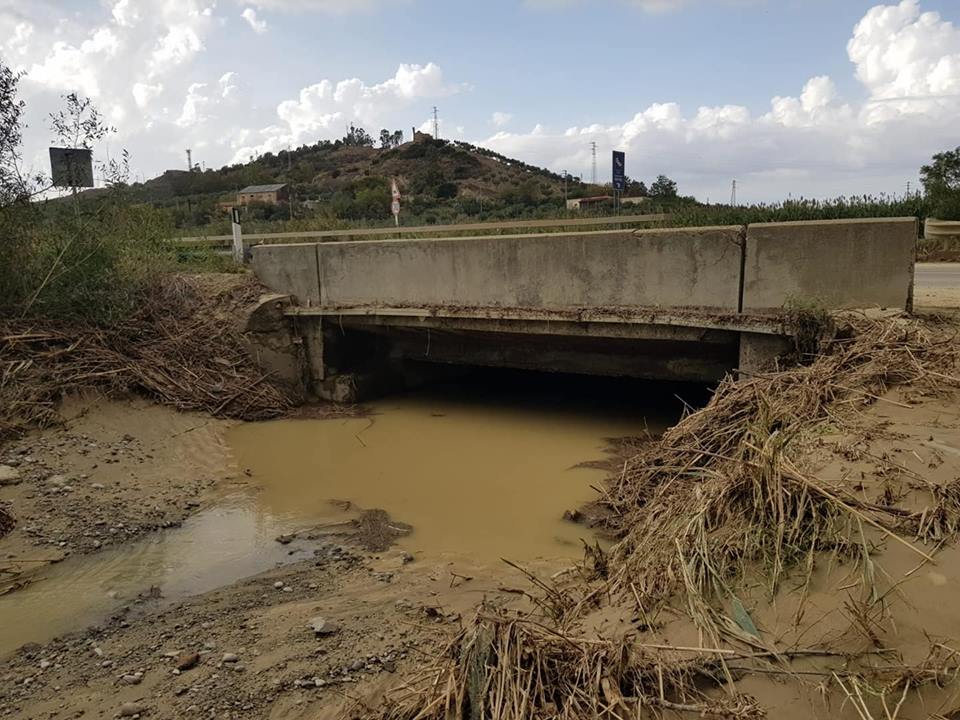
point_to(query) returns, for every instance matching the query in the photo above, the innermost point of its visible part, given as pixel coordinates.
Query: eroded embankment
(787, 548)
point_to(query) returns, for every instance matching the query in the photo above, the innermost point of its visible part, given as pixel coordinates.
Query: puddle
(485, 471)
(211, 549)
(484, 476)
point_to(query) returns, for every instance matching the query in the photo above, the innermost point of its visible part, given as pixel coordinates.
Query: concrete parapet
(678, 268)
(289, 269)
(838, 264)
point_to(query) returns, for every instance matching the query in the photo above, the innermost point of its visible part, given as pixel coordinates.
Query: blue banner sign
(619, 170)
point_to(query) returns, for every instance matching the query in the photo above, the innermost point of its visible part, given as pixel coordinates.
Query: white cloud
(145, 93)
(228, 85)
(256, 24)
(193, 105)
(815, 143)
(327, 6)
(650, 6)
(324, 109)
(145, 63)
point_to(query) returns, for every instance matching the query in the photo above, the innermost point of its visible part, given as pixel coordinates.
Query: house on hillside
(267, 194)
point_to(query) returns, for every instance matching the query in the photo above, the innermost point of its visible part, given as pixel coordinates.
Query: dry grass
(723, 489)
(182, 347)
(518, 669)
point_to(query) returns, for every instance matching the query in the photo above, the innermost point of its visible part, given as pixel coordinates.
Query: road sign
(395, 205)
(619, 170)
(71, 167)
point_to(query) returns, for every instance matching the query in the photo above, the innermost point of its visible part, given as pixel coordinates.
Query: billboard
(71, 167)
(619, 170)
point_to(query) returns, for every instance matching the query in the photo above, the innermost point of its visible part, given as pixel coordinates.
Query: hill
(349, 179)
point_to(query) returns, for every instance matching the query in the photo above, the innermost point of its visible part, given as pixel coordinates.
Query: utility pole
(733, 194)
(436, 124)
(593, 150)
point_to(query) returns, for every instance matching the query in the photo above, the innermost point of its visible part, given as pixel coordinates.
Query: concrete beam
(625, 331)
(838, 264)
(663, 360)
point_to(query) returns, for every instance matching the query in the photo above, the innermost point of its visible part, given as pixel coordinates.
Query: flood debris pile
(722, 507)
(182, 347)
(726, 487)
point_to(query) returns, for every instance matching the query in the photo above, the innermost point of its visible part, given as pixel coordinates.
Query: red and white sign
(395, 205)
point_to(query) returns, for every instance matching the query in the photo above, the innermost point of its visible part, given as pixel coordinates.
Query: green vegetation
(941, 183)
(694, 214)
(85, 258)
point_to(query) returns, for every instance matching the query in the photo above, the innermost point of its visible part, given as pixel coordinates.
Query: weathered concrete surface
(839, 264)
(759, 352)
(289, 269)
(695, 268)
(272, 344)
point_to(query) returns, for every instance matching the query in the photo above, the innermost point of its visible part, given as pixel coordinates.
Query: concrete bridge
(352, 319)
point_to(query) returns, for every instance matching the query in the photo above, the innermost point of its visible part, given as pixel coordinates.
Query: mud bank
(111, 473)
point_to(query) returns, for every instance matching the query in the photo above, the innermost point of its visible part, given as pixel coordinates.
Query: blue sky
(791, 97)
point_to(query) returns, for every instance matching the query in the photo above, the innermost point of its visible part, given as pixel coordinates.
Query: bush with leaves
(86, 257)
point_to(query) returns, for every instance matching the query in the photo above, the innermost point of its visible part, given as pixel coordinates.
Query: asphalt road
(937, 275)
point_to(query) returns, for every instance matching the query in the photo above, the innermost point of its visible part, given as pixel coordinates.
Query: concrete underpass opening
(652, 404)
(366, 362)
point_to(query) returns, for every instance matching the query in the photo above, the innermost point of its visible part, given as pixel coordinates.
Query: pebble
(187, 660)
(9, 475)
(321, 626)
(287, 588)
(44, 664)
(406, 558)
(131, 708)
(230, 657)
(133, 679)
(285, 539)
(278, 584)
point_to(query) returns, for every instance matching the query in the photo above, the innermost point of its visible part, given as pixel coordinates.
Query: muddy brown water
(487, 473)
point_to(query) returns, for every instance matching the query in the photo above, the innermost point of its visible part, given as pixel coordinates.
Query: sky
(791, 98)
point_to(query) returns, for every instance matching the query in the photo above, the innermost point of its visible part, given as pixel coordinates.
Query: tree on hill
(390, 140)
(357, 137)
(663, 188)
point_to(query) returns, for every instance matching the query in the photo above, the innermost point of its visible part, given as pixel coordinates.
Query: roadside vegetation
(92, 294)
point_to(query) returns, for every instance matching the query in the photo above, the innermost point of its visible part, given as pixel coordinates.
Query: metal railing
(418, 230)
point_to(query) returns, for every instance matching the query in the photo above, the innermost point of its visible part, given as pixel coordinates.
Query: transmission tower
(436, 124)
(593, 150)
(733, 194)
